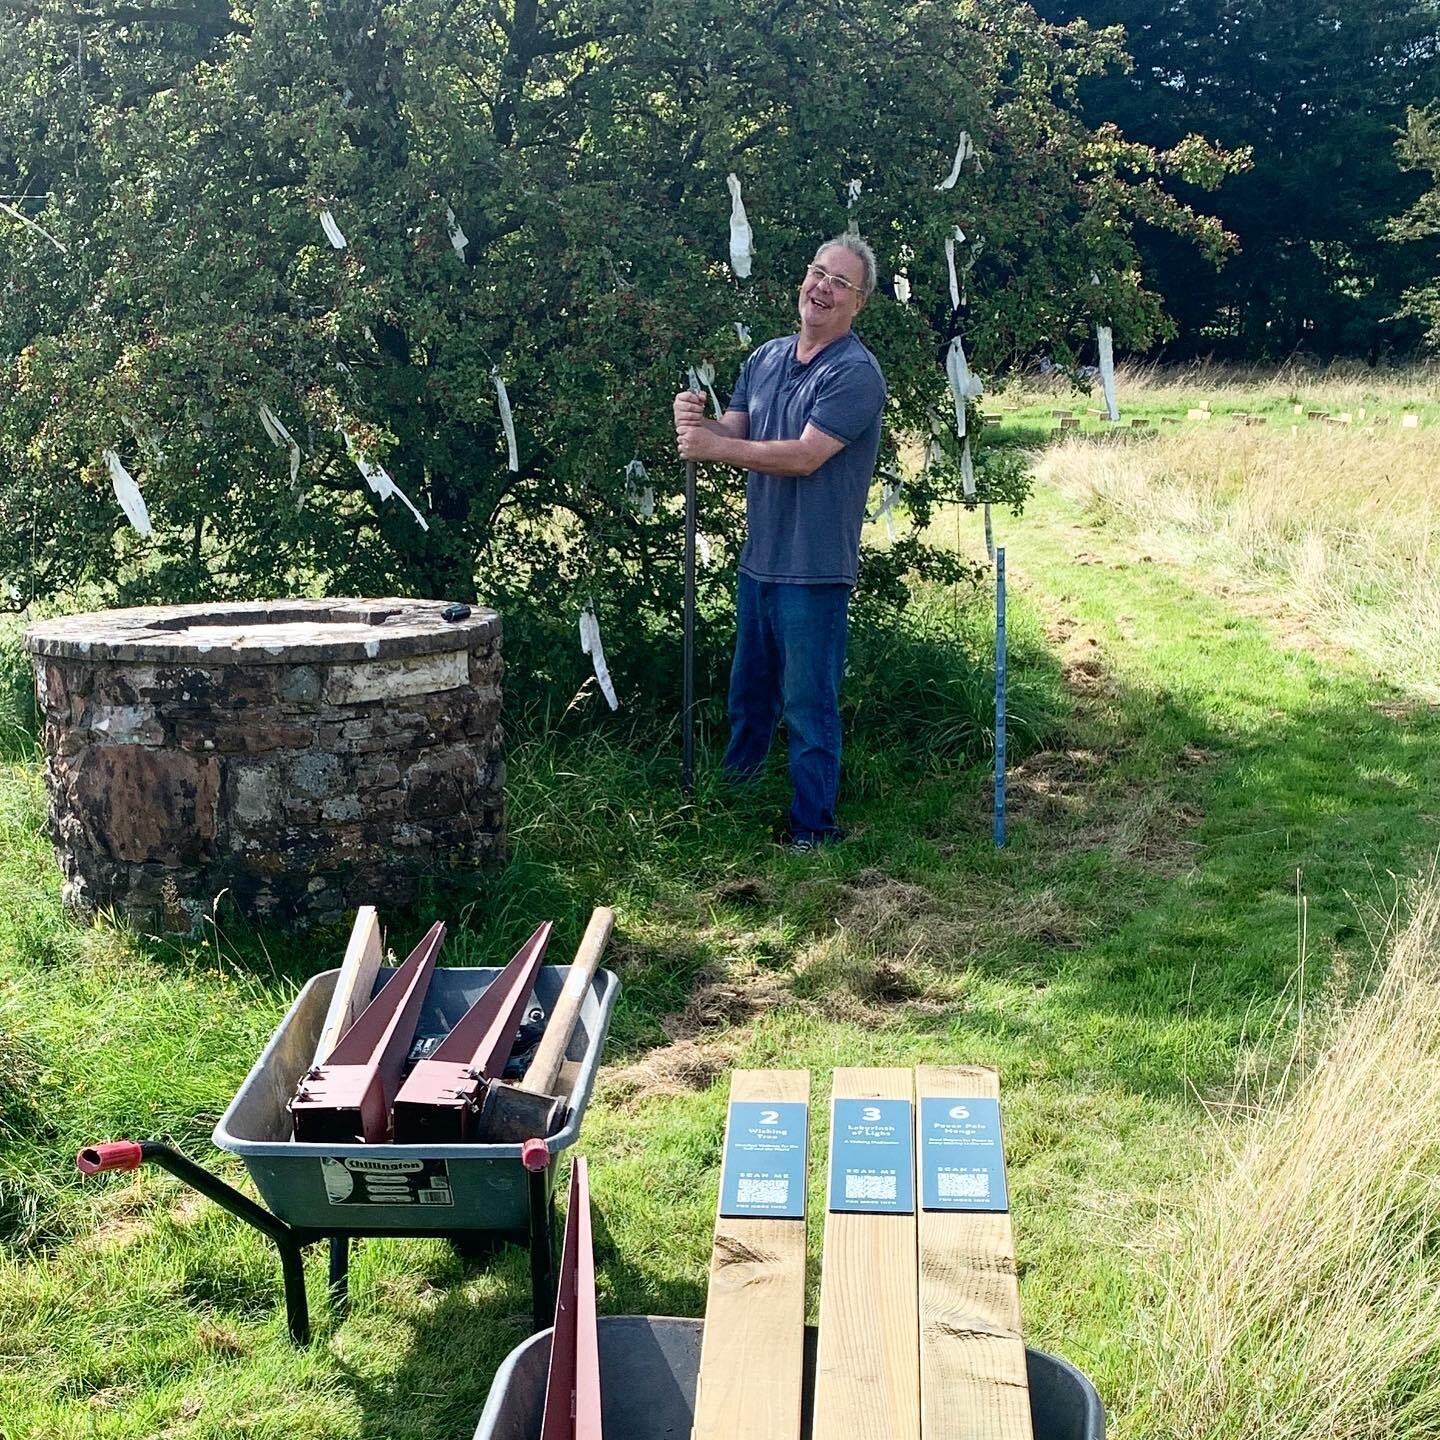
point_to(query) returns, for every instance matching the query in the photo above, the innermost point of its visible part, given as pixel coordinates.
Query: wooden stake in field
(973, 1379)
(867, 1380)
(753, 1354)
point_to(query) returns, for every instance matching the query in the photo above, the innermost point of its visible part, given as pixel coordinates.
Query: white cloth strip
(14, 214)
(591, 646)
(639, 493)
(967, 470)
(706, 376)
(902, 289)
(989, 535)
(127, 492)
(702, 544)
(950, 242)
(1107, 370)
(963, 384)
(506, 418)
(742, 238)
(377, 477)
(852, 192)
(279, 435)
(458, 238)
(963, 151)
(332, 230)
(742, 333)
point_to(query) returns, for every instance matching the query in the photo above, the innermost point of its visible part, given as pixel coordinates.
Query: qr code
(964, 1185)
(763, 1190)
(871, 1187)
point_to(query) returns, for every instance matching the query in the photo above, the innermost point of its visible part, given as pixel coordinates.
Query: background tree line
(1319, 92)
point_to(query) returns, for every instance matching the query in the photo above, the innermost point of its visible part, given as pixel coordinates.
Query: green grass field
(1190, 778)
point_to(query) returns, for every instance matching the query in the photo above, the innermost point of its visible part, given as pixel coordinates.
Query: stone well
(303, 756)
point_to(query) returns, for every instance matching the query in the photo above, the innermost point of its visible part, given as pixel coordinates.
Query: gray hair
(860, 250)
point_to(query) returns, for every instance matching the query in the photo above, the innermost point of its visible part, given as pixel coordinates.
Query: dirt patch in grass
(703, 1038)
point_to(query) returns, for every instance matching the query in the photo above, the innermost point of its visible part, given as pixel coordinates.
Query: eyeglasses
(818, 272)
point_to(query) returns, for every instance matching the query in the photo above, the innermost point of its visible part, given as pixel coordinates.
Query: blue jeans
(789, 658)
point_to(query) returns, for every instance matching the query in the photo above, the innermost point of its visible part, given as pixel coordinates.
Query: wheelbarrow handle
(112, 1155)
(131, 1154)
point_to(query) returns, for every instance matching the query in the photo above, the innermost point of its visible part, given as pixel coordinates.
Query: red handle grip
(112, 1155)
(535, 1155)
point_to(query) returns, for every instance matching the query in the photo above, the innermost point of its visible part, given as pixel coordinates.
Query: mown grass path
(1131, 950)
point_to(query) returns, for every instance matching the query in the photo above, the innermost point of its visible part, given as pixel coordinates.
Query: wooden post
(867, 1381)
(752, 1357)
(354, 982)
(973, 1379)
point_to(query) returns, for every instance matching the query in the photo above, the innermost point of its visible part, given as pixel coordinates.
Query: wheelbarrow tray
(649, 1365)
(367, 1189)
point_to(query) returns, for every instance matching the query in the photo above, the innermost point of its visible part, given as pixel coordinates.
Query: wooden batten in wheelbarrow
(752, 1358)
(348, 1098)
(867, 1375)
(973, 1378)
(440, 1099)
(572, 1386)
(354, 982)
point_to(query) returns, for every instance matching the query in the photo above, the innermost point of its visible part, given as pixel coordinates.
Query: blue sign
(962, 1163)
(872, 1157)
(765, 1154)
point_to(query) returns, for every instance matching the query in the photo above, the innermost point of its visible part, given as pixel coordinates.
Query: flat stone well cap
(263, 632)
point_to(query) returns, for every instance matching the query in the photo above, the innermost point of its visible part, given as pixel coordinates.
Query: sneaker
(806, 844)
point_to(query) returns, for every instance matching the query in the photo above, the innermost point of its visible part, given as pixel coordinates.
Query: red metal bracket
(440, 1099)
(572, 1388)
(348, 1098)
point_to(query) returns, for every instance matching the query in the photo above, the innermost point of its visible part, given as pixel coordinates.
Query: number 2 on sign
(769, 1117)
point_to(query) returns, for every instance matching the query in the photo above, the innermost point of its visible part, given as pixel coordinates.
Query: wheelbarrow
(475, 1195)
(648, 1369)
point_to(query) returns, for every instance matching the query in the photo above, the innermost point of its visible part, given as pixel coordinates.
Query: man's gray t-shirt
(805, 529)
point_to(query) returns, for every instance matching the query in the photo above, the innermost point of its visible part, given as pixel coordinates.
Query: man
(804, 422)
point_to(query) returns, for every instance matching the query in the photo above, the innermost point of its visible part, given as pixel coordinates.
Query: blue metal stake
(1000, 697)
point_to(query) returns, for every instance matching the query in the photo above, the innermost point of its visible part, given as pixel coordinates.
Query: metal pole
(687, 701)
(1000, 697)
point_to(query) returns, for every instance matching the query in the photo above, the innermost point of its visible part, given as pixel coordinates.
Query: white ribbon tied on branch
(1107, 370)
(963, 384)
(902, 289)
(967, 470)
(458, 238)
(703, 377)
(377, 477)
(279, 435)
(989, 535)
(127, 492)
(590, 645)
(964, 151)
(951, 241)
(742, 333)
(332, 230)
(890, 487)
(639, 492)
(507, 420)
(742, 238)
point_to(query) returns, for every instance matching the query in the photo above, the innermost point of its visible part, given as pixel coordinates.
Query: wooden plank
(867, 1374)
(752, 1358)
(354, 983)
(972, 1357)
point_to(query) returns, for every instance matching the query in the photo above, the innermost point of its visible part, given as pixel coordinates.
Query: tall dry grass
(1341, 523)
(1301, 1286)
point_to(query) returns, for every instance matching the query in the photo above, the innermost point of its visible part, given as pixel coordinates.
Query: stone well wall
(304, 757)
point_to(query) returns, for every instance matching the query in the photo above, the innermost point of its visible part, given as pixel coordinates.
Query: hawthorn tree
(178, 174)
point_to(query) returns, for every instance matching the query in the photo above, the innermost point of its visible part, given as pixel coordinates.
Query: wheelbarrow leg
(340, 1276)
(297, 1309)
(542, 1256)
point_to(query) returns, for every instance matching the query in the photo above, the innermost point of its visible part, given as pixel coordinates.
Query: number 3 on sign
(870, 1114)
